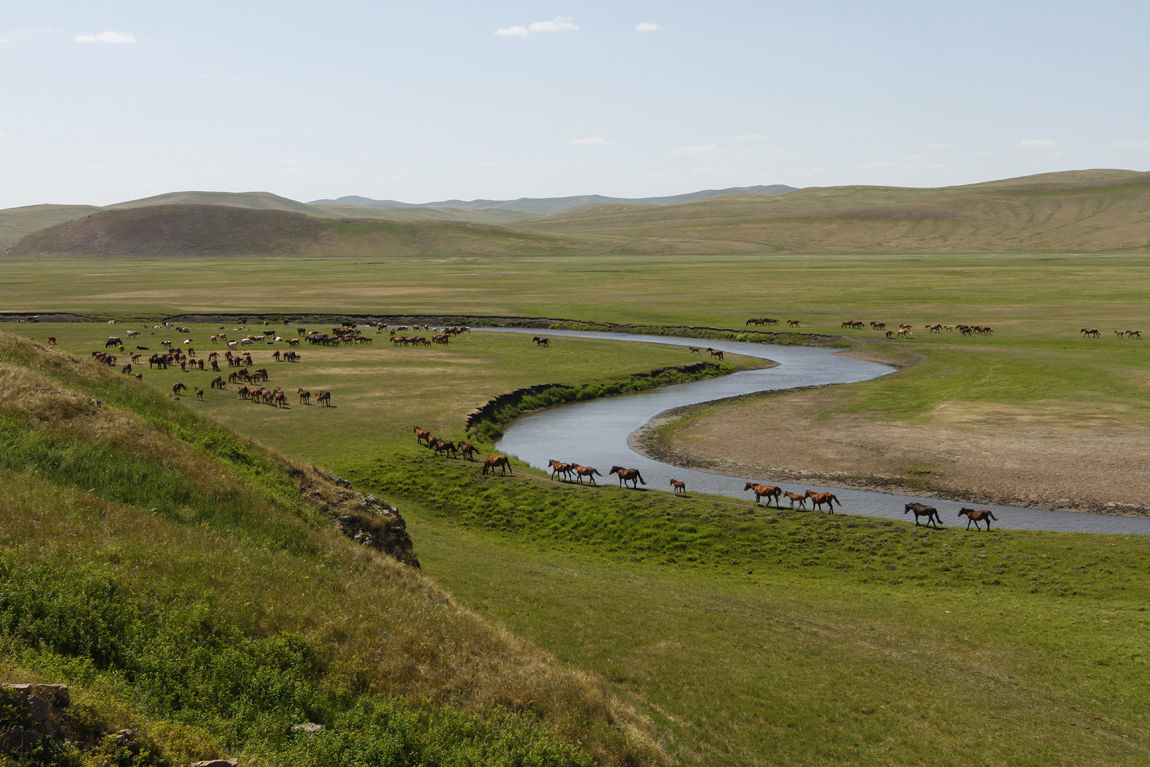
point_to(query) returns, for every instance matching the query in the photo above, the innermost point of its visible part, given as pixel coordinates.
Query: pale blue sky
(110, 100)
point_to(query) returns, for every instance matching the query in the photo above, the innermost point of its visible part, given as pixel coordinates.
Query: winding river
(596, 433)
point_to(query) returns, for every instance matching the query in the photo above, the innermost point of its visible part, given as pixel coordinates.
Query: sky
(112, 100)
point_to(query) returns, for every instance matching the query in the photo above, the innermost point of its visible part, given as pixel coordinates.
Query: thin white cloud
(1044, 143)
(557, 24)
(107, 38)
(914, 161)
(696, 150)
(1132, 143)
(590, 140)
(649, 26)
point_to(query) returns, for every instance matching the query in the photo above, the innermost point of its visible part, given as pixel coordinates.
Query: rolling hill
(213, 231)
(1077, 211)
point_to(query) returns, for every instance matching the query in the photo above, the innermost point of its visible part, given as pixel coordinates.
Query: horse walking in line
(764, 491)
(467, 450)
(422, 436)
(679, 486)
(922, 510)
(499, 461)
(799, 498)
(818, 499)
(976, 516)
(628, 475)
(590, 472)
(560, 469)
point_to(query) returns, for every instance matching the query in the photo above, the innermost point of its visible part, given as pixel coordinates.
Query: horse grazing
(560, 469)
(976, 516)
(799, 498)
(922, 510)
(199, 393)
(585, 471)
(818, 499)
(680, 486)
(764, 491)
(178, 387)
(628, 475)
(494, 461)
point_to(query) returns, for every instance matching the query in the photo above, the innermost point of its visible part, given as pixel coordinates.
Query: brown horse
(560, 469)
(922, 510)
(792, 323)
(178, 387)
(422, 436)
(590, 472)
(680, 486)
(628, 475)
(715, 353)
(767, 491)
(818, 499)
(976, 516)
(199, 393)
(494, 461)
(323, 398)
(443, 447)
(467, 449)
(799, 498)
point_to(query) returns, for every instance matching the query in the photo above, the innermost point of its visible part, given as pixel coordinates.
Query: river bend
(596, 433)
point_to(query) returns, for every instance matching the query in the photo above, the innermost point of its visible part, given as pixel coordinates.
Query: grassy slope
(173, 574)
(748, 637)
(1083, 211)
(15, 223)
(199, 231)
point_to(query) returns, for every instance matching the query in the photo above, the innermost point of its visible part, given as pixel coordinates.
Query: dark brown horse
(922, 510)
(818, 499)
(467, 450)
(494, 461)
(444, 447)
(976, 516)
(767, 491)
(422, 436)
(178, 387)
(680, 486)
(715, 353)
(628, 475)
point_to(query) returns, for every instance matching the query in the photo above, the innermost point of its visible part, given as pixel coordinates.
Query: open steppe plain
(745, 636)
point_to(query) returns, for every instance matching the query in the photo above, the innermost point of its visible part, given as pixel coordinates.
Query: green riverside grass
(747, 636)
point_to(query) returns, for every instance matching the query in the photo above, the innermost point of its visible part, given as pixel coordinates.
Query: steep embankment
(195, 231)
(196, 586)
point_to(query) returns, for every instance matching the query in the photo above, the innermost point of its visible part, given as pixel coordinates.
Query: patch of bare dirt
(968, 451)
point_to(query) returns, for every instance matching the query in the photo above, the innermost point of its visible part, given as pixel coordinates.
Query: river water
(596, 433)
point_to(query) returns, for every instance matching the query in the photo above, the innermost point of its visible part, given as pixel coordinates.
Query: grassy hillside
(204, 231)
(191, 584)
(1092, 211)
(18, 222)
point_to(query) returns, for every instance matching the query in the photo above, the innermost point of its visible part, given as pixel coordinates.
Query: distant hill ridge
(1093, 211)
(543, 205)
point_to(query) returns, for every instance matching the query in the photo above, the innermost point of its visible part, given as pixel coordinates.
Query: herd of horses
(1096, 333)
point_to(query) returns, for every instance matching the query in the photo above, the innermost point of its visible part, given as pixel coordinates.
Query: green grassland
(744, 636)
